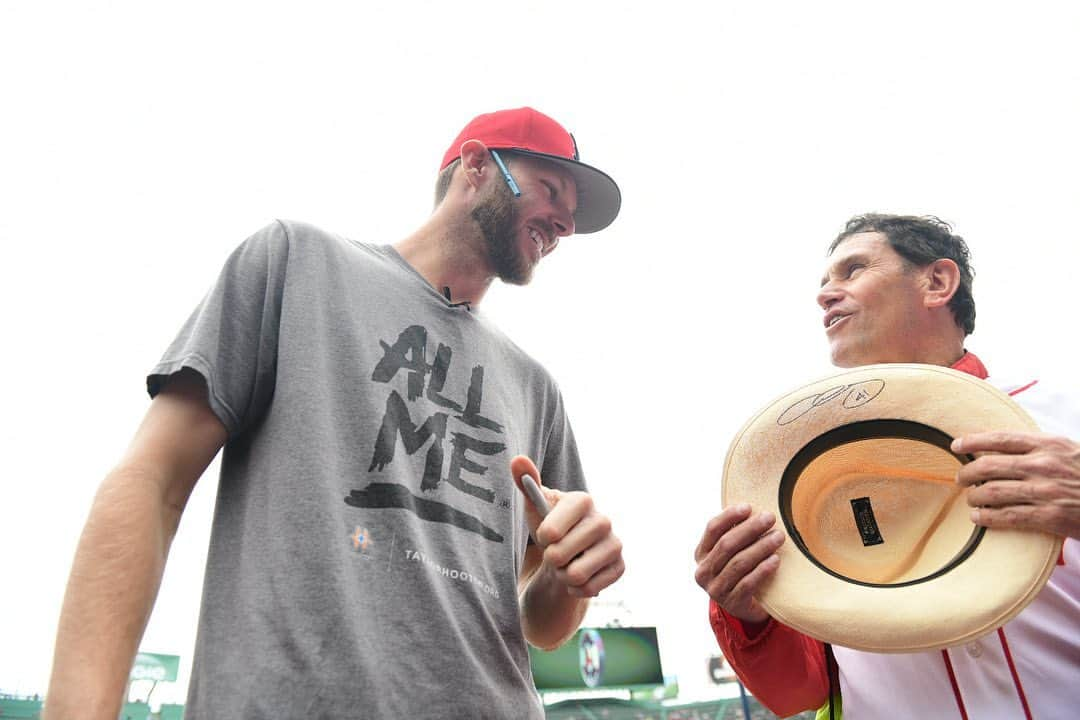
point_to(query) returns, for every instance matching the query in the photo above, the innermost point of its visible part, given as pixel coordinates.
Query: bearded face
(497, 217)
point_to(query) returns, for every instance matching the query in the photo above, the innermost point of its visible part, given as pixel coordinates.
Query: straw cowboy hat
(882, 554)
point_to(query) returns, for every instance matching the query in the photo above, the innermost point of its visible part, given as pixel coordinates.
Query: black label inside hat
(864, 519)
(861, 507)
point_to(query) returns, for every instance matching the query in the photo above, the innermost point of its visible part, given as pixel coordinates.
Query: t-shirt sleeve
(561, 464)
(784, 669)
(231, 337)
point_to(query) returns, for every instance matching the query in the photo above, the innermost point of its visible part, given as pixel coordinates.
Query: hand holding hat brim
(882, 554)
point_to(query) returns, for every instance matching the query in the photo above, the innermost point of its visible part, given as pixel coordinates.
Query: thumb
(522, 465)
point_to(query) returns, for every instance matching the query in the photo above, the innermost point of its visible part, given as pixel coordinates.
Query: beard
(496, 216)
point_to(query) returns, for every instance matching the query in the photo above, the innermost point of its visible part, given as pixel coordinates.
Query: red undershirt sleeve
(784, 669)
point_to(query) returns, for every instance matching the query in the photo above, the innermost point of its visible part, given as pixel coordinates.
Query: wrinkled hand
(1029, 481)
(577, 540)
(735, 557)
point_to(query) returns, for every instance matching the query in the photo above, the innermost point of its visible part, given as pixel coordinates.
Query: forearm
(783, 668)
(114, 580)
(549, 614)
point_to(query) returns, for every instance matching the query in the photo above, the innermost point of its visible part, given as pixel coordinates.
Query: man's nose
(563, 222)
(828, 296)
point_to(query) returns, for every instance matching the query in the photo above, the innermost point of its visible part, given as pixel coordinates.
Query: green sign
(600, 658)
(151, 666)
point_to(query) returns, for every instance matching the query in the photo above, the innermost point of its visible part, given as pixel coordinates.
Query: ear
(942, 281)
(475, 162)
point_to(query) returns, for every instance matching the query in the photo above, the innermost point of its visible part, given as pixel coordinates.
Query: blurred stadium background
(606, 673)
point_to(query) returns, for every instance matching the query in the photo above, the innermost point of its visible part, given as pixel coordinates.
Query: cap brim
(599, 198)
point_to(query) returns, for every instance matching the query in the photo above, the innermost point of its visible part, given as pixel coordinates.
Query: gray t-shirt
(367, 537)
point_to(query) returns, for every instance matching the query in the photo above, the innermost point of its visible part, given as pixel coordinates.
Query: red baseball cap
(525, 131)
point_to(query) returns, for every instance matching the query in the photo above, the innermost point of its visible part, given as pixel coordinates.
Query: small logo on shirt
(360, 538)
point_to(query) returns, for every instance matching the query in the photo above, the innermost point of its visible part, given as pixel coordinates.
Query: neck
(946, 357)
(449, 255)
(942, 347)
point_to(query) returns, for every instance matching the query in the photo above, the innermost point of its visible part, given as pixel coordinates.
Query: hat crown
(521, 128)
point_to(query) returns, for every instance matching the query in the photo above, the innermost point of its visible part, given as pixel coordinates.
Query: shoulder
(305, 234)
(1050, 399)
(514, 352)
(534, 376)
(290, 238)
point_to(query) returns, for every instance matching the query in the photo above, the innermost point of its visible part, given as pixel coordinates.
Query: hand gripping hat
(525, 131)
(881, 553)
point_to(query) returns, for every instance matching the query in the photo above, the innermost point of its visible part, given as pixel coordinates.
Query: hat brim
(979, 593)
(599, 198)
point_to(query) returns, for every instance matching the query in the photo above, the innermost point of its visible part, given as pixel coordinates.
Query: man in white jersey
(898, 289)
(372, 553)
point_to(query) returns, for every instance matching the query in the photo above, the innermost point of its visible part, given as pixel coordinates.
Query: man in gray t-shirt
(372, 554)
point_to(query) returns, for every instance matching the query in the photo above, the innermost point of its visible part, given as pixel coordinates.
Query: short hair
(920, 240)
(442, 183)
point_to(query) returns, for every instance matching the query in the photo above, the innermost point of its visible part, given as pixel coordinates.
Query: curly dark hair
(920, 240)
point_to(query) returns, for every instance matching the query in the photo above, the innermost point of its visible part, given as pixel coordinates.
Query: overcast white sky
(141, 141)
